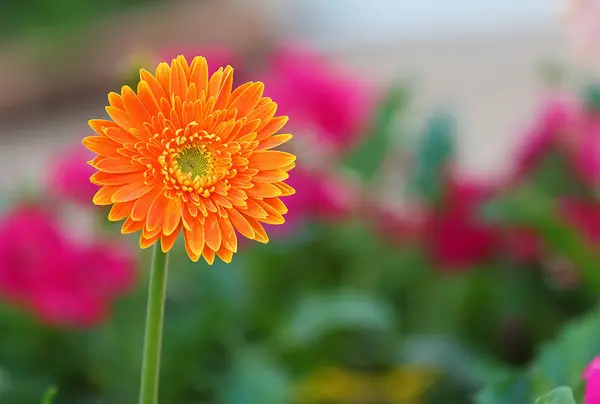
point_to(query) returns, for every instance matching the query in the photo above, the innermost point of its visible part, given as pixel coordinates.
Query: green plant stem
(154, 327)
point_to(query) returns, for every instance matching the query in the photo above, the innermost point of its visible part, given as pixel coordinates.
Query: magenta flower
(567, 126)
(69, 176)
(454, 234)
(592, 377)
(62, 282)
(319, 196)
(545, 133)
(317, 96)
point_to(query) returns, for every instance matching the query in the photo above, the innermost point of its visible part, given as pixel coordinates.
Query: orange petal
(273, 141)
(228, 234)
(172, 215)
(270, 159)
(104, 195)
(240, 223)
(264, 112)
(147, 98)
(118, 165)
(195, 237)
(120, 135)
(143, 204)
(131, 226)
(225, 90)
(199, 74)
(132, 191)
(286, 190)
(263, 190)
(214, 83)
(136, 111)
(115, 100)
(193, 256)
(253, 209)
(102, 178)
(163, 75)
(270, 176)
(260, 234)
(209, 255)
(276, 204)
(178, 81)
(146, 242)
(156, 213)
(225, 255)
(272, 127)
(167, 242)
(120, 211)
(248, 99)
(155, 87)
(212, 232)
(274, 216)
(120, 117)
(102, 145)
(99, 125)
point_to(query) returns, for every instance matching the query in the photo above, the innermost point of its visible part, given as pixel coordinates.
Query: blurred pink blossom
(318, 196)
(564, 124)
(68, 176)
(584, 216)
(592, 376)
(62, 282)
(318, 96)
(545, 133)
(454, 234)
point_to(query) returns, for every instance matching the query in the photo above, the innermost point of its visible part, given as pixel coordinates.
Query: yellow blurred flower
(404, 385)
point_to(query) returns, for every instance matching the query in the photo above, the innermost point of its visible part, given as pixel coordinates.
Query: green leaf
(255, 379)
(508, 388)
(561, 395)
(318, 315)
(528, 209)
(434, 150)
(367, 157)
(50, 395)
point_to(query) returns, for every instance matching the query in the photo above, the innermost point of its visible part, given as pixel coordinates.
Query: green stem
(154, 327)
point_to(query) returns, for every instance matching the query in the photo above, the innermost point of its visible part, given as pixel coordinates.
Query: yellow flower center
(195, 161)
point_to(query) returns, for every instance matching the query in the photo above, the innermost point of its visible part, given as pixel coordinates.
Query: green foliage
(50, 395)
(561, 395)
(433, 152)
(529, 209)
(366, 158)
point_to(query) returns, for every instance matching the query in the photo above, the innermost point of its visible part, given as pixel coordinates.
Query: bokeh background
(442, 246)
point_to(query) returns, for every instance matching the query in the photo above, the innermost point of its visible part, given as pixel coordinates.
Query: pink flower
(69, 176)
(399, 226)
(318, 96)
(318, 196)
(545, 134)
(523, 244)
(62, 282)
(592, 376)
(568, 126)
(584, 216)
(453, 233)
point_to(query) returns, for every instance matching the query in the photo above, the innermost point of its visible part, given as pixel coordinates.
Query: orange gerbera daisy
(186, 153)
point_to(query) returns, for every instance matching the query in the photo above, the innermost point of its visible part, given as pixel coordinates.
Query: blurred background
(442, 246)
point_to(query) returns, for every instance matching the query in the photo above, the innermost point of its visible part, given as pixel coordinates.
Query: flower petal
(172, 215)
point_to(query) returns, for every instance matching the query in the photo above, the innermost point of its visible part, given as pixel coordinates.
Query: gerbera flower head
(187, 154)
